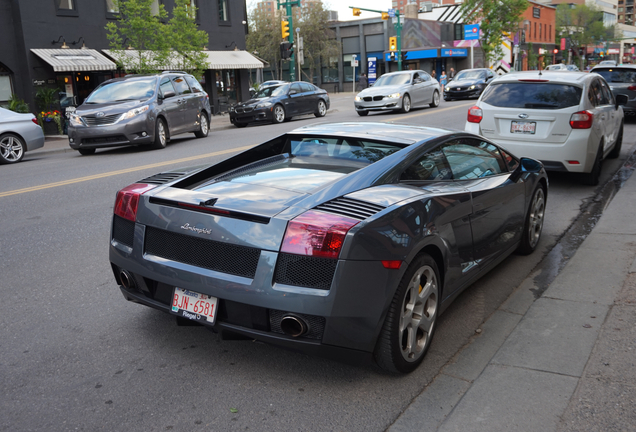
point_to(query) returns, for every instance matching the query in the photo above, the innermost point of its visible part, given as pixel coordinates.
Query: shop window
(66, 8)
(330, 70)
(348, 67)
(5, 89)
(224, 13)
(226, 88)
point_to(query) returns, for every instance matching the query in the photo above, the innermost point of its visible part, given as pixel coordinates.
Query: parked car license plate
(523, 127)
(194, 305)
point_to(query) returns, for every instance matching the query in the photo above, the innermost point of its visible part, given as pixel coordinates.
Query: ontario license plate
(194, 305)
(523, 127)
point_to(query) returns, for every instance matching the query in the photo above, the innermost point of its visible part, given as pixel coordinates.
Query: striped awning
(130, 57)
(75, 60)
(232, 60)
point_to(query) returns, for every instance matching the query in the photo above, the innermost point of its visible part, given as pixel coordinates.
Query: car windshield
(127, 90)
(342, 148)
(393, 80)
(532, 95)
(271, 91)
(470, 75)
(617, 75)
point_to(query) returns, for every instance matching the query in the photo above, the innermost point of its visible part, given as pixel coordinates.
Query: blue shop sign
(471, 31)
(455, 52)
(414, 55)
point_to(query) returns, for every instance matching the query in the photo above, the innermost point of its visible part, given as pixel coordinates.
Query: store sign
(613, 51)
(372, 69)
(455, 52)
(38, 82)
(471, 31)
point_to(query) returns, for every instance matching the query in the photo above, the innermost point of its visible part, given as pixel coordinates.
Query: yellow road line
(114, 173)
(428, 112)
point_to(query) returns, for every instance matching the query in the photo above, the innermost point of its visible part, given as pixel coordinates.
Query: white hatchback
(570, 122)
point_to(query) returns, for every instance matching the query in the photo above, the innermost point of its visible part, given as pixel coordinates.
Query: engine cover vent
(352, 208)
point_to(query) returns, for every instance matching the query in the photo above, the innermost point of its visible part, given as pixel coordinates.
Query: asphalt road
(74, 355)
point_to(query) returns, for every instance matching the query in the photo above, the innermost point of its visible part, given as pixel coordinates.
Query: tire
(204, 126)
(362, 113)
(86, 151)
(321, 109)
(240, 125)
(406, 103)
(278, 114)
(591, 178)
(616, 151)
(12, 149)
(161, 135)
(435, 102)
(533, 225)
(410, 323)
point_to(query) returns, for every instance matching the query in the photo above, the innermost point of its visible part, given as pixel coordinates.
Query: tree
(186, 39)
(582, 26)
(319, 41)
(264, 38)
(495, 17)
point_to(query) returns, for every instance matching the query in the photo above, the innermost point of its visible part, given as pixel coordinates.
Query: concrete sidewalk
(563, 362)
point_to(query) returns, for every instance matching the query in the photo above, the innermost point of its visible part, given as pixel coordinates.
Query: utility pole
(290, 17)
(397, 25)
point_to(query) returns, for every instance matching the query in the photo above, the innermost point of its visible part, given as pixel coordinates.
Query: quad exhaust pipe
(127, 280)
(293, 325)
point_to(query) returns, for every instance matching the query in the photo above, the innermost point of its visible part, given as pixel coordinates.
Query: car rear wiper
(540, 105)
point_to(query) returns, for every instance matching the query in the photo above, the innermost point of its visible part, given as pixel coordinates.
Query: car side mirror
(292, 92)
(531, 165)
(169, 94)
(621, 100)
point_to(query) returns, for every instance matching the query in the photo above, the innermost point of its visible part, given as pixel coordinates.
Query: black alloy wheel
(533, 225)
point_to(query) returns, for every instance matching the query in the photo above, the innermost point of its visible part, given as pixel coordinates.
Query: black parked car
(345, 239)
(140, 110)
(468, 83)
(278, 103)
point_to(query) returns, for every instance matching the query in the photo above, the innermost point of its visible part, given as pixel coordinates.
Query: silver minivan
(140, 110)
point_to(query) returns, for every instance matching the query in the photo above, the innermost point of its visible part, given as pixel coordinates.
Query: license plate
(194, 305)
(523, 127)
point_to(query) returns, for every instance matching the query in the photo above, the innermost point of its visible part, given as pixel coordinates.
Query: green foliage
(139, 28)
(264, 38)
(318, 39)
(46, 98)
(533, 57)
(18, 105)
(186, 39)
(495, 18)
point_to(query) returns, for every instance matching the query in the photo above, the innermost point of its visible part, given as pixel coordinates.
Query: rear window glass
(617, 75)
(342, 148)
(532, 95)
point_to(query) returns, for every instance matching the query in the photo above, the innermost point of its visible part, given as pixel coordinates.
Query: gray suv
(622, 81)
(140, 110)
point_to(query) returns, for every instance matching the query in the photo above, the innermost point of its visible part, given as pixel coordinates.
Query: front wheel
(321, 109)
(406, 103)
(410, 322)
(279, 114)
(362, 113)
(435, 102)
(11, 148)
(534, 223)
(161, 135)
(204, 126)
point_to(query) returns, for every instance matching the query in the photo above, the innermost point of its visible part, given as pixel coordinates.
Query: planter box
(50, 128)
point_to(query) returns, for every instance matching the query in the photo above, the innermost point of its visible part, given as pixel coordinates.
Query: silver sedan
(399, 91)
(19, 133)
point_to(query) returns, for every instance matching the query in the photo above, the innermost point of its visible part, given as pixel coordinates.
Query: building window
(224, 13)
(536, 12)
(550, 38)
(192, 9)
(66, 8)
(535, 30)
(154, 7)
(5, 88)
(112, 9)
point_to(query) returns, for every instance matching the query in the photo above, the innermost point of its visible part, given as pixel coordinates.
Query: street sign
(471, 31)
(392, 13)
(371, 69)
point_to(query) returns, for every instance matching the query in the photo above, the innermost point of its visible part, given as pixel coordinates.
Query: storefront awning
(232, 60)
(75, 60)
(130, 57)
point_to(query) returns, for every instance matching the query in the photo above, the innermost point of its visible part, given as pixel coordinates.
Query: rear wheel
(11, 148)
(406, 103)
(204, 126)
(410, 322)
(435, 102)
(616, 151)
(321, 109)
(86, 151)
(591, 178)
(279, 114)
(534, 223)
(362, 113)
(161, 135)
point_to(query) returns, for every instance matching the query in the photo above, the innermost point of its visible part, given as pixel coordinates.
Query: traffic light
(393, 43)
(286, 50)
(385, 15)
(284, 29)
(392, 56)
(356, 12)
(602, 53)
(555, 51)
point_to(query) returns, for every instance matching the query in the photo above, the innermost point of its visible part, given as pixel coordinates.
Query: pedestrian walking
(443, 79)
(451, 74)
(362, 81)
(433, 74)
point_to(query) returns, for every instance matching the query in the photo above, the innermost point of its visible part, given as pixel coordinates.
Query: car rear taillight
(581, 120)
(632, 88)
(317, 234)
(34, 120)
(475, 114)
(128, 199)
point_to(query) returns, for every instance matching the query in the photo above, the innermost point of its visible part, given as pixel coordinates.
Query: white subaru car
(570, 122)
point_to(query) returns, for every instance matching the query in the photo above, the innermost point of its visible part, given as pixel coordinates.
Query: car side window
(166, 87)
(194, 84)
(306, 87)
(295, 88)
(433, 166)
(472, 159)
(607, 94)
(181, 85)
(416, 77)
(598, 94)
(424, 76)
(510, 160)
